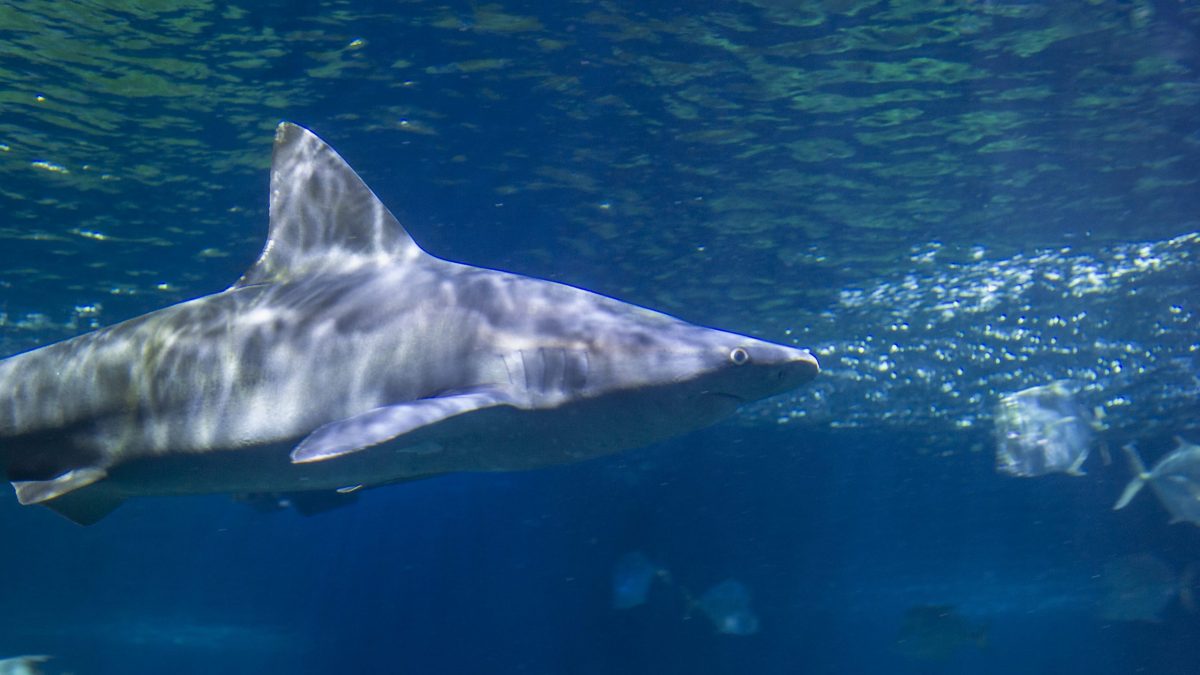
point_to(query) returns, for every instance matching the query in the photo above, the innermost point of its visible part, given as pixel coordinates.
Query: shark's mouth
(737, 400)
(715, 405)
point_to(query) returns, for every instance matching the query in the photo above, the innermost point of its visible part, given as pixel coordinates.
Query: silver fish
(1175, 479)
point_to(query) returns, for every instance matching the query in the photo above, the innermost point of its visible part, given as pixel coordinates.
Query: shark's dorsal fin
(323, 217)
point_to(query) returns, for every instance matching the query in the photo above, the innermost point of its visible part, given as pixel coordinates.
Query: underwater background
(948, 202)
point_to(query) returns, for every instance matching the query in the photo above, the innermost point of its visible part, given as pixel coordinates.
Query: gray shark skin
(347, 356)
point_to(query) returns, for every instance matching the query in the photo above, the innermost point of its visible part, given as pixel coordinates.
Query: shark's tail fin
(1139, 477)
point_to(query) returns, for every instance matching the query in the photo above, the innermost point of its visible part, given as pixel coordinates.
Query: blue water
(946, 201)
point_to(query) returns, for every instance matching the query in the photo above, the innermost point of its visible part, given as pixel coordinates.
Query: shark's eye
(738, 356)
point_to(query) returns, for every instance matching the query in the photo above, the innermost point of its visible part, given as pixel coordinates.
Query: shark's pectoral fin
(66, 495)
(385, 424)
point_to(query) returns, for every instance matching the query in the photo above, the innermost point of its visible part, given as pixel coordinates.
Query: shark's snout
(804, 364)
(786, 363)
(795, 367)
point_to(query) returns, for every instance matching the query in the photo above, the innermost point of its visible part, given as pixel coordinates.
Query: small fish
(1175, 479)
(1139, 587)
(1042, 430)
(937, 632)
(633, 575)
(727, 605)
(23, 665)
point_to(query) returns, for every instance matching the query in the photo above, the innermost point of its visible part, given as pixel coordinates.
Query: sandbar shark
(347, 356)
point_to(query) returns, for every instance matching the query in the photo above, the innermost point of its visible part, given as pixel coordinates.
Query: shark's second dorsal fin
(323, 217)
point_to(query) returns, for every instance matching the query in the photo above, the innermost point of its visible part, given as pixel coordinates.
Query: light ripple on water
(936, 347)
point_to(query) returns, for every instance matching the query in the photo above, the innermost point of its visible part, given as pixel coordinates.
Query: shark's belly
(499, 439)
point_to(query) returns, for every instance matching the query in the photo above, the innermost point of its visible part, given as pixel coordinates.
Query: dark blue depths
(510, 573)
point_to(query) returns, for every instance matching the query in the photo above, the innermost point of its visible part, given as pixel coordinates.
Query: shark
(347, 356)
